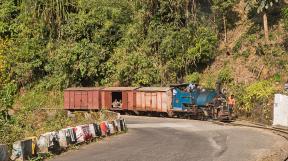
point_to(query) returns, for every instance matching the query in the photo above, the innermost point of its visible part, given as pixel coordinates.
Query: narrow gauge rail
(277, 130)
(184, 100)
(283, 132)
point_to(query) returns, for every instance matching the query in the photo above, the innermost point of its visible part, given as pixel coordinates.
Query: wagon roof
(119, 88)
(83, 88)
(158, 89)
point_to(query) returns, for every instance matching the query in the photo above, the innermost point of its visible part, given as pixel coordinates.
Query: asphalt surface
(165, 139)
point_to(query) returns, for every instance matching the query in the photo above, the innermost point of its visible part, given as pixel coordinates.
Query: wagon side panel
(67, 100)
(125, 100)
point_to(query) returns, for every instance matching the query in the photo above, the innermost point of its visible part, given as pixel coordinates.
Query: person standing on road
(231, 104)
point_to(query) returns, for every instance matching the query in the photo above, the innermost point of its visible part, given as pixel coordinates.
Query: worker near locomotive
(188, 100)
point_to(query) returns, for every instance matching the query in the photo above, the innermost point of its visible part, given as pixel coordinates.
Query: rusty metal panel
(102, 99)
(143, 101)
(66, 100)
(83, 88)
(131, 100)
(119, 88)
(109, 103)
(148, 101)
(103, 102)
(125, 100)
(96, 100)
(159, 101)
(107, 100)
(169, 100)
(154, 89)
(93, 100)
(90, 100)
(164, 102)
(138, 101)
(78, 95)
(134, 99)
(154, 101)
(84, 100)
(72, 99)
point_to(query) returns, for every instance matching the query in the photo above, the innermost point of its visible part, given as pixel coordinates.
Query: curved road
(165, 139)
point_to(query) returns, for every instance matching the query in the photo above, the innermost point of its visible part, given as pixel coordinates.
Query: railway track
(276, 130)
(279, 131)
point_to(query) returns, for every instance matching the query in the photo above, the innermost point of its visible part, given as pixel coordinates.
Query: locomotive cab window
(116, 99)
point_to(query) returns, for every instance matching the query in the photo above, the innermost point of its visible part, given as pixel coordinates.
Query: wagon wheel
(170, 114)
(200, 115)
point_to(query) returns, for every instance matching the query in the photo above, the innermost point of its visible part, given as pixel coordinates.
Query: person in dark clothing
(217, 103)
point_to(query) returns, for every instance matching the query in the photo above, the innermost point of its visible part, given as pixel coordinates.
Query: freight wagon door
(84, 100)
(125, 100)
(72, 99)
(131, 100)
(107, 100)
(93, 100)
(148, 101)
(78, 100)
(154, 101)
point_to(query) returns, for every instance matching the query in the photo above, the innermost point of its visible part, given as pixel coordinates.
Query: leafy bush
(285, 15)
(225, 75)
(7, 95)
(237, 46)
(257, 93)
(194, 77)
(277, 77)
(208, 80)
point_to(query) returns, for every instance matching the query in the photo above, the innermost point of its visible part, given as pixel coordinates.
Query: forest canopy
(56, 44)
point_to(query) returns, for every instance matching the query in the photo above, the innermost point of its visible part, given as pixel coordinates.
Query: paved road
(164, 139)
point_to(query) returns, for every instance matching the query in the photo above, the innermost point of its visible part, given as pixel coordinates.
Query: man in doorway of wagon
(115, 104)
(231, 104)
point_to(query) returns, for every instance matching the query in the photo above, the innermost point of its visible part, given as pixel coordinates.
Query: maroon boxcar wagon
(82, 98)
(118, 98)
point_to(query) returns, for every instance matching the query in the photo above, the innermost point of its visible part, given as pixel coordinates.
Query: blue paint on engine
(182, 99)
(205, 97)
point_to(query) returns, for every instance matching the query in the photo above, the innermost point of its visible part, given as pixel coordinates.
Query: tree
(223, 7)
(262, 7)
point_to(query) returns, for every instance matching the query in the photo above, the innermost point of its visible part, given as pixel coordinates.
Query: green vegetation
(254, 100)
(194, 77)
(35, 115)
(56, 44)
(225, 75)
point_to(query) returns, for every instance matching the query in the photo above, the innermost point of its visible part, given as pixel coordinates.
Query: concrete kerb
(20, 149)
(4, 153)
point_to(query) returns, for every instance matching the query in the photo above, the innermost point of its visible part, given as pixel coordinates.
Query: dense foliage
(56, 44)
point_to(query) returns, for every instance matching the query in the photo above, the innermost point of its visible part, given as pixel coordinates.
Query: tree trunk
(187, 11)
(225, 29)
(194, 7)
(266, 30)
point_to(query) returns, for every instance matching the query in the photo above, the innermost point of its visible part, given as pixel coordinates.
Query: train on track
(183, 100)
